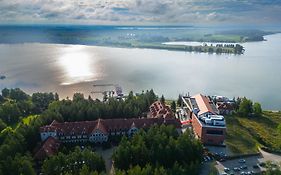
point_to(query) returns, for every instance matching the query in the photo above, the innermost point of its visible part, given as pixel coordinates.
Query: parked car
(236, 169)
(262, 164)
(243, 167)
(256, 166)
(242, 161)
(226, 169)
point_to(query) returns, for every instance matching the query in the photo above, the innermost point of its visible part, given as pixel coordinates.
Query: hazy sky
(141, 11)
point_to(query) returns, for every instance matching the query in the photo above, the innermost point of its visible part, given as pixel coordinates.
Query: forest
(18, 139)
(160, 150)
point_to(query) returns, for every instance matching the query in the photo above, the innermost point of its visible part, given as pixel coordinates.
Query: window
(215, 132)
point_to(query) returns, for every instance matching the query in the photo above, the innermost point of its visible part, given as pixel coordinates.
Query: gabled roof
(54, 122)
(106, 125)
(49, 147)
(159, 109)
(225, 106)
(204, 104)
(133, 125)
(100, 126)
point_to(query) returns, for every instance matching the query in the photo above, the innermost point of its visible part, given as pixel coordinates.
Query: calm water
(70, 68)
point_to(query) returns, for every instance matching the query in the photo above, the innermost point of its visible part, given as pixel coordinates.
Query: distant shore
(135, 37)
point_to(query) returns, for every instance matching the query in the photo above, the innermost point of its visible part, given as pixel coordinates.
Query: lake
(75, 68)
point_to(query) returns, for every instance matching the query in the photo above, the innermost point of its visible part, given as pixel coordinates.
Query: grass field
(246, 134)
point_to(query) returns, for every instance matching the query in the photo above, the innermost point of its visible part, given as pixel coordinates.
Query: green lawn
(246, 134)
(223, 38)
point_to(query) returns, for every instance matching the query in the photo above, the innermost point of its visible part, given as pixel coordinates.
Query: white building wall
(98, 136)
(132, 131)
(45, 135)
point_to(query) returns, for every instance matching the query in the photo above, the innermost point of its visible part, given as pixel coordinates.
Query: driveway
(107, 156)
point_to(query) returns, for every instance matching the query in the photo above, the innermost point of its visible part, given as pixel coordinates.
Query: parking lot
(247, 165)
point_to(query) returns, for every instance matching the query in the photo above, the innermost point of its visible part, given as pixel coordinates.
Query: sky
(129, 12)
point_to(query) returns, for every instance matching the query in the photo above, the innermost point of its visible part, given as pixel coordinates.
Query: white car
(226, 169)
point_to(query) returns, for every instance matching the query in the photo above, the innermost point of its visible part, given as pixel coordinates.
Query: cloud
(140, 11)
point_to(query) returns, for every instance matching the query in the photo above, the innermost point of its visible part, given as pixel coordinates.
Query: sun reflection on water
(76, 65)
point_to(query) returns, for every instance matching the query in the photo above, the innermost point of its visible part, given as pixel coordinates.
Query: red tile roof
(204, 104)
(159, 109)
(100, 126)
(49, 147)
(106, 125)
(225, 106)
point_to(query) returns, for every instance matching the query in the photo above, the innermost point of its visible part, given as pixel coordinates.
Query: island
(224, 40)
(205, 48)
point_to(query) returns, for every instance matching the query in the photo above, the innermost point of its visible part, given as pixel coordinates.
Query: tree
(179, 101)
(210, 50)
(41, 101)
(237, 103)
(238, 49)
(78, 97)
(1, 99)
(257, 109)
(2, 125)
(272, 168)
(162, 99)
(160, 146)
(5, 93)
(57, 98)
(85, 170)
(18, 95)
(245, 107)
(75, 162)
(173, 106)
(9, 112)
(24, 165)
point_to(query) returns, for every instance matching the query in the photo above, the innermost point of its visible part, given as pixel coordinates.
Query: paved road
(106, 155)
(270, 157)
(205, 169)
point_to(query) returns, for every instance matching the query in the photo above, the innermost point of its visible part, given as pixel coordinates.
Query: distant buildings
(207, 124)
(224, 105)
(225, 108)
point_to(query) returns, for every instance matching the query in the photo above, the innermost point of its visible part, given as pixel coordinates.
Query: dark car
(242, 161)
(243, 167)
